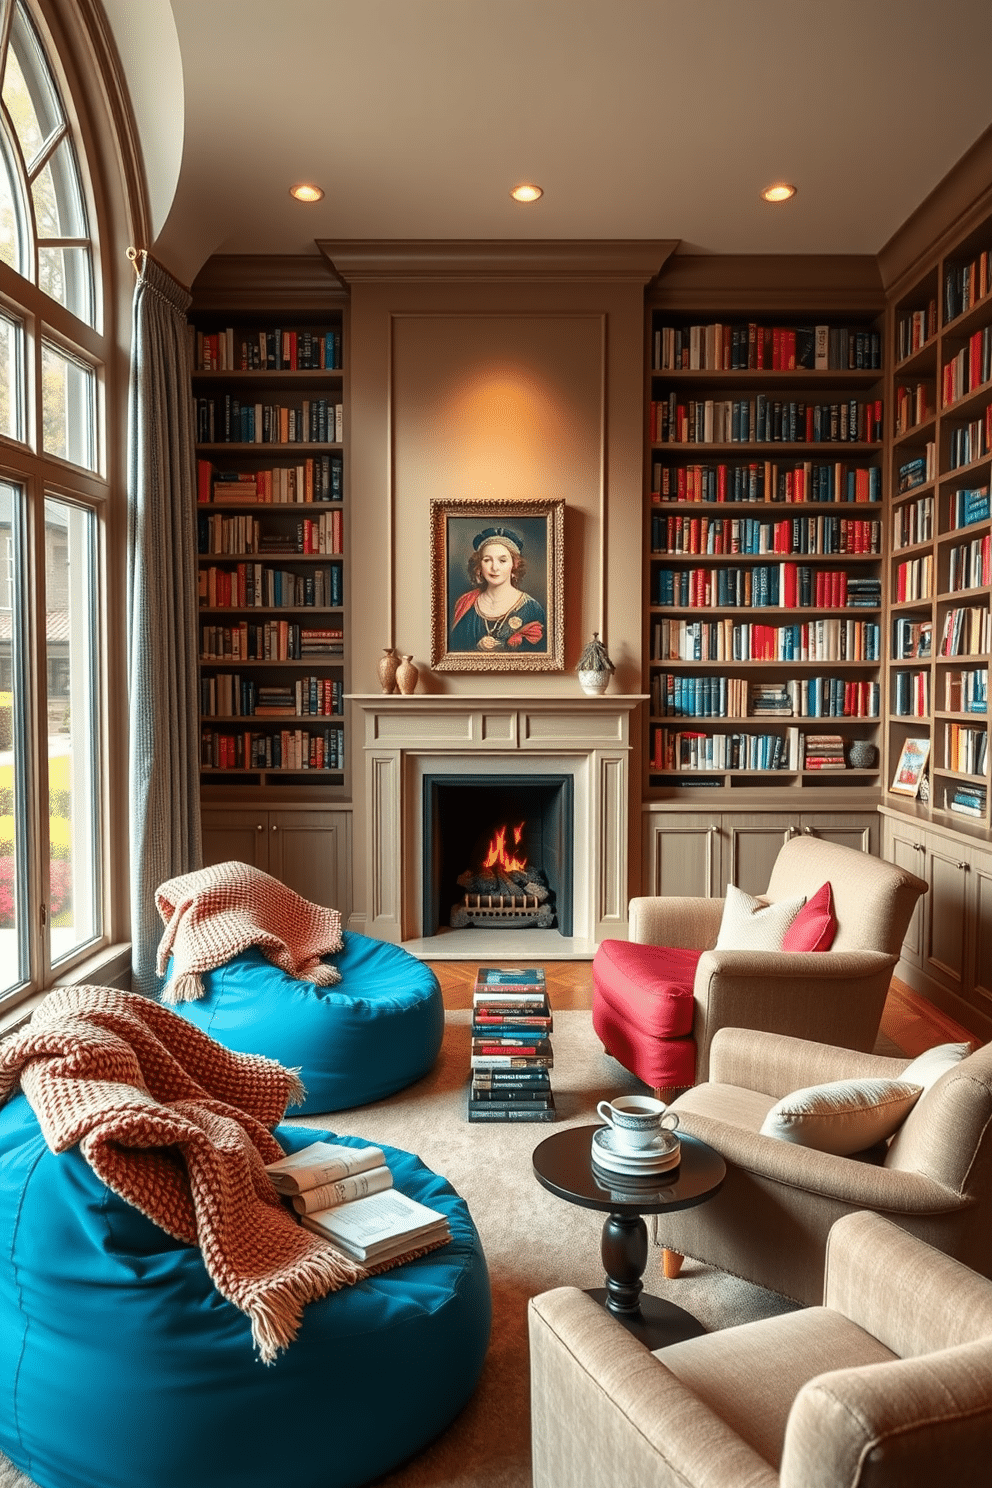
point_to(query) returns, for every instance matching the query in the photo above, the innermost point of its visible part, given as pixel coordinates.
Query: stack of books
(967, 800)
(824, 752)
(346, 1194)
(512, 1057)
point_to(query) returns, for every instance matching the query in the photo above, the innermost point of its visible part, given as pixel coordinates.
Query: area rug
(532, 1241)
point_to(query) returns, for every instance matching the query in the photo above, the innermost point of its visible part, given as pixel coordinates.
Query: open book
(320, 1164)
(381, 1226)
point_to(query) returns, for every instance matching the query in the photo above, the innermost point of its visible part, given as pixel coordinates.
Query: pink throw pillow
(815, 925)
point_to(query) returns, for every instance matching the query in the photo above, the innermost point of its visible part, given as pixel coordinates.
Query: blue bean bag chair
(122, 1366)
(374, 1032)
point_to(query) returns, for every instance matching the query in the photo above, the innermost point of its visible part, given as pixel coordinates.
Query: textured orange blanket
(179, 1127)
(212, 914)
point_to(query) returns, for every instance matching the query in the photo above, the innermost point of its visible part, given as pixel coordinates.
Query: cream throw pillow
(842, 1116)
(751, 925)
(927, 1068)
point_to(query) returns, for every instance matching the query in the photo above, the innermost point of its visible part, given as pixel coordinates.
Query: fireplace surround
(413, 743)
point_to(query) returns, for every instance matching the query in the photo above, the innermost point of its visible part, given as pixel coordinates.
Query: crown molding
(958, 202)
(754, 282)
(260, 281)
(365, 260)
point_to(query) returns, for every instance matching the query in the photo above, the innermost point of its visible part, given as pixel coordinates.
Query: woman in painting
(497, 615)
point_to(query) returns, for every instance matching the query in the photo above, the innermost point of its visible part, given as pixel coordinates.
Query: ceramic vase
(388, 664)
(594, 684)
(407, 675)
(595, 668)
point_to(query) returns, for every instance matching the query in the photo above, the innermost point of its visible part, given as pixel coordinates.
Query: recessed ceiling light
(780, 192)
(527, 192)
(305, 192)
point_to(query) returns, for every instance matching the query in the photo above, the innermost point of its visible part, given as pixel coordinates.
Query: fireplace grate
(518, 911)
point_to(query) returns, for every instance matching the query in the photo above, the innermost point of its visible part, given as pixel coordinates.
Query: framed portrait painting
(497, 586)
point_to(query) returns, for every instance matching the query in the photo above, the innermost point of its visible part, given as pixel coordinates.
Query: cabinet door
(682, 856)
(751, 845)
(848, 829)
(980, 899)
(230, 836)
(905, 846)
(310, 852)
(947, 917)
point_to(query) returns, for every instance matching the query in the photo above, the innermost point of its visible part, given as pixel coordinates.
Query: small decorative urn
(407, 676)
(388, 664)
(595, 668)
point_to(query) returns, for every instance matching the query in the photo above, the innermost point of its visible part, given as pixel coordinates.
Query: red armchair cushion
(815, 925)
(642, 1009)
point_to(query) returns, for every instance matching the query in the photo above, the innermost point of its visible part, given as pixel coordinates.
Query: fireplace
(497, 852)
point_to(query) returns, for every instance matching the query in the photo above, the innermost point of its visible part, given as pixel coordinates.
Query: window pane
(11, 378)
(11, 237)
(58, 201)
(69, 407)
(28, 90)
(70, 670)
(13, 795)
(64, 273)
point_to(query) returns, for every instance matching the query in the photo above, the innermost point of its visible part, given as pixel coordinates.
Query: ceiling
(640, 118)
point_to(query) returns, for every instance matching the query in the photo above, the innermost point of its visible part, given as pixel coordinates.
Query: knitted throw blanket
(214, 913)
(179, 1127)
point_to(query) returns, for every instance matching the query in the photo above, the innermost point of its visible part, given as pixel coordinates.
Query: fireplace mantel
(407, 737)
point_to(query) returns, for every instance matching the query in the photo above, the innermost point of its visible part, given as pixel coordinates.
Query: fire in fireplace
(498, 852)
(503, 889)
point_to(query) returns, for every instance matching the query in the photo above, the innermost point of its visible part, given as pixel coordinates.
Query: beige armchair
(888, 1384)
(770, 1221)
(835, 996)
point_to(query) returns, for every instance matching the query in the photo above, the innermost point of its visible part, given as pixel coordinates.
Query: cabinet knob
(259, 827)
(274, 828)
(963, 866)
(808, 832)
(919, 847)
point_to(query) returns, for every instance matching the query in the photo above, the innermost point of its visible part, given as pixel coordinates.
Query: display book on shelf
(347, 1195)
(512, 1056)
(941, 530)
(271, 539)
(765, 496)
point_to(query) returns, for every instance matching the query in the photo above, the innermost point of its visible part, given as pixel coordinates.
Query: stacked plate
(662, 1154)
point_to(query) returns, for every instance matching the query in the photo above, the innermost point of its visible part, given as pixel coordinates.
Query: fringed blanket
(179, 1127)
(214, 913)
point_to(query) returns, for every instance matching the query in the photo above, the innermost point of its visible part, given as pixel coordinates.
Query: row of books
(271, 350)
(966, 631)
(918, 469)
(913, 406)
(252, 586)
(965, 748)
(674, 695)
(911, 637)
(967, 506)
(748, 346)
(231, 695)
(970, 565)
(826, 639)
(912, 523)
(914, 578)
(967, 800)
(790, 750)
(911, 694)
(348, 1195)
(764, 420)
(966, 284)
(287, 749)
(967, 691)
(764, 586)
(245, 536)
(228, 420)
(512, 1056)
(972, 441)
(274, 640)
(674, 533)
(767, 480)
(915, 329)
(969, 368)
(317, 478)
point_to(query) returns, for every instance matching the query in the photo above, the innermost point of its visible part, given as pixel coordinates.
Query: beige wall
(496, 385)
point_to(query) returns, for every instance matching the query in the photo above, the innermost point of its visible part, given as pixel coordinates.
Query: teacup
(637, 1120)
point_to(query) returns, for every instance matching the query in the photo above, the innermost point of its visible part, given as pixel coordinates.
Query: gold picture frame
(497, 586)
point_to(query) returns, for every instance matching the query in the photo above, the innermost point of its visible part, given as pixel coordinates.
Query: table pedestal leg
(625, 1253)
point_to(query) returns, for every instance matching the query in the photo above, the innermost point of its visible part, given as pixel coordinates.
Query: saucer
(656, 1158)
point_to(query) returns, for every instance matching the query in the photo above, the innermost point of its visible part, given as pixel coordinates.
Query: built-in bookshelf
(765, 535)
(268, 391)
(940, 534)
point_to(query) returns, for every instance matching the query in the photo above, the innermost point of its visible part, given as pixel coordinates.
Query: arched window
(61, 420)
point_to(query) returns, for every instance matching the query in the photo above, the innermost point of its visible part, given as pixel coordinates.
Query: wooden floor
(909, 1020)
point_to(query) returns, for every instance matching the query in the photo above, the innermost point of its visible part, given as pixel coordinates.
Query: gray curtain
(162, 609)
